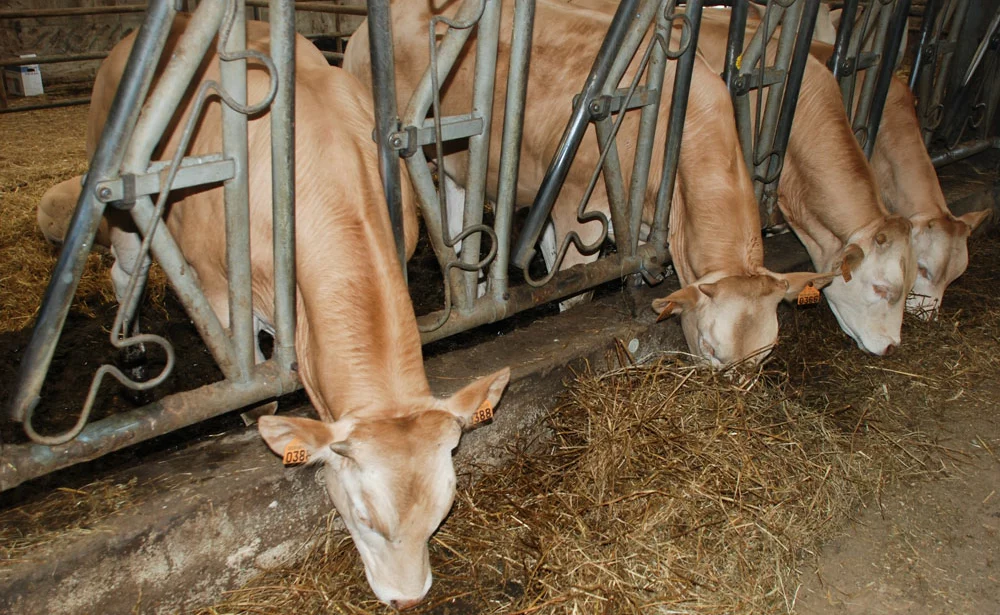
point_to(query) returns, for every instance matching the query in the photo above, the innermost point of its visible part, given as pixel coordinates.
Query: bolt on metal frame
(600, 101)
(764, 131)
(883, 23)
(123, 175)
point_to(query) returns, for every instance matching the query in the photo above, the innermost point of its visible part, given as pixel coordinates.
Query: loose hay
(41, 149)
(667, 489)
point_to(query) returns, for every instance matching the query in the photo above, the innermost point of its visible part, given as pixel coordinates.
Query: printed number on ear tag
(295, 454)
(484, 413)
(809, 295)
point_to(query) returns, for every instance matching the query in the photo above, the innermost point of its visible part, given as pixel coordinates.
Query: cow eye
(882, 291)
(364, 520)
(923, 272)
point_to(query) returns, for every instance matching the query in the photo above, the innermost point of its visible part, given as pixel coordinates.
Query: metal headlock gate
(123, 176)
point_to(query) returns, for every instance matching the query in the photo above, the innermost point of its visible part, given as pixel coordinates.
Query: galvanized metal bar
(646, 136)
(614, 184)
(981, 50)
(484, 80)
(643, 17)
(282, 20)
(930, 16)
(791, 98)
(945, 57)
(675, 126)
(523, 297)
(556, 174)
(23, 462)
(510, 148)
(54, 59)
(386, 116)
(318, 7)
(861, 111)
(74, 11)
(233, 77)
(963, 151)
(121, 121)
(734, 43)
(890, 48)
(194, 171)
(838, 62)
(156, 117)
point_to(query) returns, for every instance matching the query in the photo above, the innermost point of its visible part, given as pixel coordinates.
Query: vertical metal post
(386, 116)
(734, 43)
(487, 40)
(930, 16)
(282, 16)
(837, 62)
(121, 120)
(896, 28)
(556, 174)
(233, 76)
(859, 116)
(510, 149)
(678, 111)
(647, 130)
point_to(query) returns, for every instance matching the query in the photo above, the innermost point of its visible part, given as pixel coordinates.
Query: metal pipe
(121, 121)
(734, 43)
(558, 169)
(646, 136)
(510, 148)
(838, 63)
(523, 297)
(73, 11)
(861, 111)
(70, 102)
(672, 149)
(317, 7)
(23, 462)
(233, 79)
(386, 116)
(282, 17)
(930, 15)
(487, 41)
(73, 57)
(963, 151)
(890, 50)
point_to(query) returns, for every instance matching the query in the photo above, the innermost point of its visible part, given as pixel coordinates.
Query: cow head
(391, 478)
(877, 269)
(940, 245)
(733, 319)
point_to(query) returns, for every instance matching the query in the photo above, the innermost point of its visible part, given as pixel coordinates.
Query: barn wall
(80, 34)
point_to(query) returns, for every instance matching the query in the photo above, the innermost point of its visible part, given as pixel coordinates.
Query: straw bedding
(662, 488)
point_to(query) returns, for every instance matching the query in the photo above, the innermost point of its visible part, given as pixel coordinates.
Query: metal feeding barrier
(764, 131)
(644, 35)
(871, 46)
(956, 78)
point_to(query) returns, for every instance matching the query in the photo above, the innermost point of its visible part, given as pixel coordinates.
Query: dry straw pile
(667, 489)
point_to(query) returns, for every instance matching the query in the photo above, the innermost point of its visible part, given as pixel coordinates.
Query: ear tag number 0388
(295, 454)
(484, 413)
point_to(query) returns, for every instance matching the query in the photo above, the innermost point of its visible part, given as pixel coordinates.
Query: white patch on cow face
(870, 306)
(393, 491)
(941, 248)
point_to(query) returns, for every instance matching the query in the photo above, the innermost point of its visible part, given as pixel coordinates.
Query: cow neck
(358, 342)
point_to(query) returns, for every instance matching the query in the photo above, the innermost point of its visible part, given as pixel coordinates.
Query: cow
(728, 301)
(385, 442)
(829, 196)
(908, 182)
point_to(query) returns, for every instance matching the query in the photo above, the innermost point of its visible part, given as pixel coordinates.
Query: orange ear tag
(295, 454)
(809, 295)
(845, 270)
(667, 311)
(484, 413)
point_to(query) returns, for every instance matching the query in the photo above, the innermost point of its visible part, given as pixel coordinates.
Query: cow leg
(131, 359)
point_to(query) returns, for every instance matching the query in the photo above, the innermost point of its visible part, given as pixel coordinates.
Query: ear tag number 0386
(484, 413)
(295, 454)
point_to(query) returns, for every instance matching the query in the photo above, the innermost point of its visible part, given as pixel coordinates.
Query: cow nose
(889, 350)
(402, 605)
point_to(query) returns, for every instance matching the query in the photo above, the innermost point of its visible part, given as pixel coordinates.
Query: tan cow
(385, 442)
(729, 299)
(828, 194)
(909, 185)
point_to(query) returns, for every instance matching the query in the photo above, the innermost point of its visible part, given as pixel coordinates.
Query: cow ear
(851, 258)
(800, 279)
(974, 218)
(320, 440)
(676, 302)
(475, 403)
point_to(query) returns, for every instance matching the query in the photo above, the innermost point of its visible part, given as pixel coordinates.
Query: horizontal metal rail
(72, 11)
(56, 59)
(69, 102)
